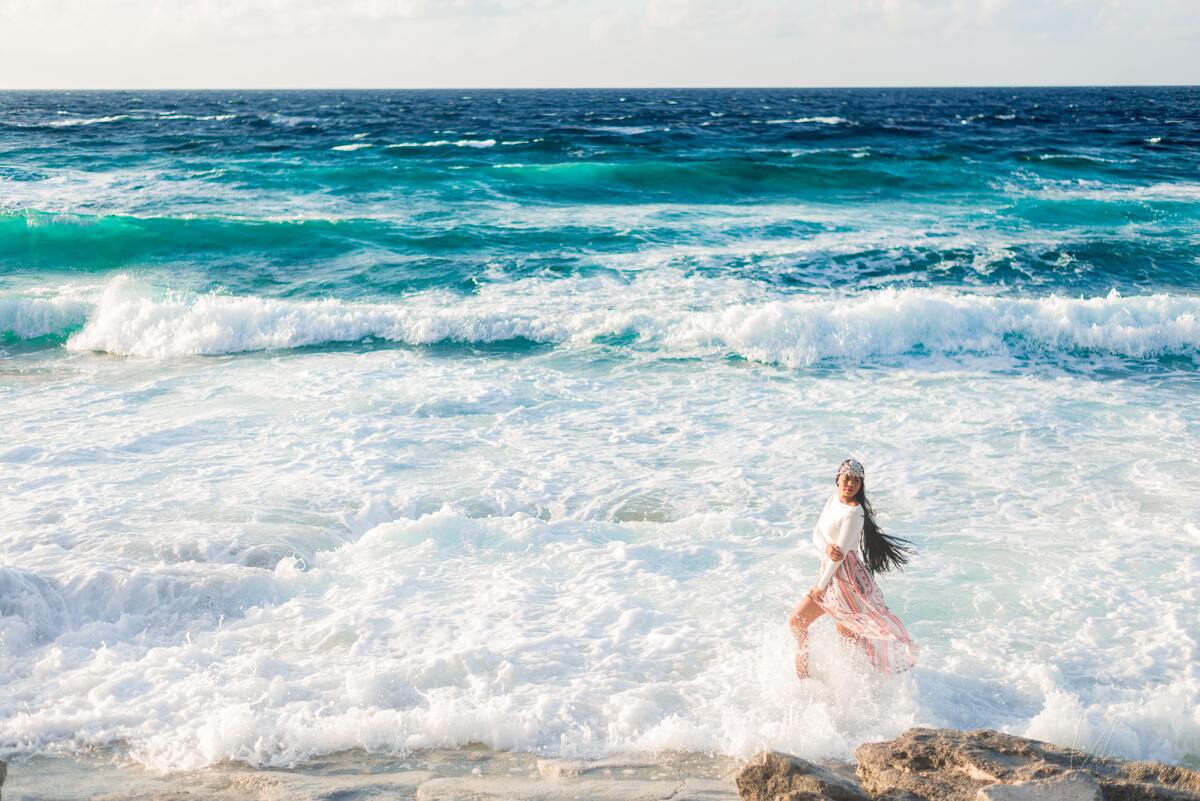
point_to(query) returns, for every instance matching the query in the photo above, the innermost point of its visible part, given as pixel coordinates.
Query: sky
(144, 44)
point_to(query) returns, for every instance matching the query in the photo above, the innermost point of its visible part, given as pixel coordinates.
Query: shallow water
(512, 426)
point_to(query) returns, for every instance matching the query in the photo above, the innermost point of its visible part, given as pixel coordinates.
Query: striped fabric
(853, 601)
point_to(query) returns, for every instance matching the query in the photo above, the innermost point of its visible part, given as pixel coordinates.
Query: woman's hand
(814, 593)
(834, 553)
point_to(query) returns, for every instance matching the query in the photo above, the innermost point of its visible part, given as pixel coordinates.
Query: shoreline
(427, 774)
(922, 764)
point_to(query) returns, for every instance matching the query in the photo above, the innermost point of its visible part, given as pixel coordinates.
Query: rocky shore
(919, 765)
(978, 765)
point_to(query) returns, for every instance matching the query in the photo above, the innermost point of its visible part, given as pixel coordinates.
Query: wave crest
(34, 318)
(677, 317)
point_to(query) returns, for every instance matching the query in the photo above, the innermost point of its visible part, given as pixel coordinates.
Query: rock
(772, 776)
(1074, 785)
(953, 765)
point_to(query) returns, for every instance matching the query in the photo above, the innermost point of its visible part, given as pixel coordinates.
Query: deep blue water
(376, 195)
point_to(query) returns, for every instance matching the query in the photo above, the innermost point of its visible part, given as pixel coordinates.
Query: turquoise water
(391, 419)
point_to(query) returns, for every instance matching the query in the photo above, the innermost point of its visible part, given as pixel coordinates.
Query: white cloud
(595, 42)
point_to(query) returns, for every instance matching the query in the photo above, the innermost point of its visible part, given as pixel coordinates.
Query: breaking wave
(671, 317)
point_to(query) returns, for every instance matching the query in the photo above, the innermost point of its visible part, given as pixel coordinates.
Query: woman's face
(848, 485)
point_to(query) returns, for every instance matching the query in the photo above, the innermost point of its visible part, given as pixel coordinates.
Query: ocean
(415, 419)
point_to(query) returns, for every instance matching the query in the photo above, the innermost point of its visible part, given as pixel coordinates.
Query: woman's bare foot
(807, 611)
(801, 666)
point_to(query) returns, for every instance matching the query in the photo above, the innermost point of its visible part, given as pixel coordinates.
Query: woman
(845, 589)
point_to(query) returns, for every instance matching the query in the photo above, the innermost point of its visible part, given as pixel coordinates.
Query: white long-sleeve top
(840, 525)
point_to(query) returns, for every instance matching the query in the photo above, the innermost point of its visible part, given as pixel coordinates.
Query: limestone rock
(897, 795)
(1074, 785)
(772, 776)
(953, 765)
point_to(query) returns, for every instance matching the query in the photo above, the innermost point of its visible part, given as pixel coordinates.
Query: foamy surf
(655, 313)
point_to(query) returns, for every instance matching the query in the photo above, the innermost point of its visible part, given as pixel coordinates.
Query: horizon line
(593, 88)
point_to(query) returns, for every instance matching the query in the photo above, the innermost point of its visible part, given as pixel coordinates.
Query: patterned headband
(852, 467)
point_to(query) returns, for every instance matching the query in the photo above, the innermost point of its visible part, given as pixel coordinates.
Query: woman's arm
(847, 535)
(818, 537)
(819, 540)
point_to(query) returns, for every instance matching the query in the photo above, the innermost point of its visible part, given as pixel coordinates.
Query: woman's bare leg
(806, 612)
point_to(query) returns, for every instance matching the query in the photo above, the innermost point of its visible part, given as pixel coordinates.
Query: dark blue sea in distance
(375, 194)
(404, 419)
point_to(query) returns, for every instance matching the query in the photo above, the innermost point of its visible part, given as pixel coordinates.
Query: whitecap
(1082, 157)
(807, 120)
(200, 117)
(448, 143)
(89, 121)
(627, 130)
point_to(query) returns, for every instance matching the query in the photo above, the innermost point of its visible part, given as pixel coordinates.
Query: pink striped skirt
(854, 602)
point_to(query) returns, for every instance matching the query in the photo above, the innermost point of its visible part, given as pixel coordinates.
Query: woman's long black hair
(881, 552)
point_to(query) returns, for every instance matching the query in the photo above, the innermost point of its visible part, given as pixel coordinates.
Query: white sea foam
(1083, 157)
(272, 558)
(30, 318)
(448, 143)
(627, 130)
(353, 146)
(182, 193)
(201, 117)
(1083, 189)
(70, 123)
(808, 120)
(667, 315)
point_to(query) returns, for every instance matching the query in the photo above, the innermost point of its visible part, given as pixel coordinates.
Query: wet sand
(463, 774)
